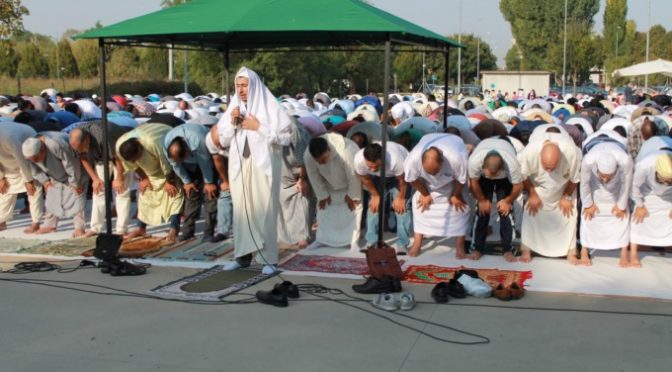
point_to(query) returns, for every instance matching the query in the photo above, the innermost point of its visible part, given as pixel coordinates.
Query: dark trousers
(502, 188)
(192, 207)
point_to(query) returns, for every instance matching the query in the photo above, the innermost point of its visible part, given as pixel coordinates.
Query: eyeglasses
(663, 181)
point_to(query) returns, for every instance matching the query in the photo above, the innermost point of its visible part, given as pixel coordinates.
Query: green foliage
(8, 60)
(32, 63)
(63, 58)
(86, 53)
(513, 59)
(539, 24)
(584, 51)
(153, 63)
(11, 18)
(470, 57)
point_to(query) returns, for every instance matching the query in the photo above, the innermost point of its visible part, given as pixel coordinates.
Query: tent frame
(388, 40)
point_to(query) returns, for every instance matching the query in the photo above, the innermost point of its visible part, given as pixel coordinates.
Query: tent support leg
(386, 121)
(446, 67)
(106, 159)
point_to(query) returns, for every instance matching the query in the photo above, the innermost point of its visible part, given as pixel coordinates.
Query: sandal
(517, 291)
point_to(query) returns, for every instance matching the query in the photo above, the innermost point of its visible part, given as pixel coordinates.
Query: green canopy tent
(233, 25)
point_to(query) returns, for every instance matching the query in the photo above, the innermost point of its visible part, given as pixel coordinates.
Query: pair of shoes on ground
(386, 301)
(513, 292)
(279, 295)
(386, 284)
(473, 285)
(442, 291)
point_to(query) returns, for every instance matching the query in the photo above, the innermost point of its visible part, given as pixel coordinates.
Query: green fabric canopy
(254, 24)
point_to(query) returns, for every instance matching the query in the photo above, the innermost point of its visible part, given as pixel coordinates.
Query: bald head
(432, 160)
(649, 129)
(492, 164)
(78, 140)
(550, 156)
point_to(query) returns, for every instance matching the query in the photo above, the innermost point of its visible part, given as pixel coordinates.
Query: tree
(32, 63)
(8, 60)
(65, 60)
(470, 58)
(584, 51)
(11, 18)
(86, 53)
(153, 63)
(539, 24)
(513, 59)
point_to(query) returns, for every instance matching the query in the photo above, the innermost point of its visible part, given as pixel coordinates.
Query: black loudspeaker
(107, 246)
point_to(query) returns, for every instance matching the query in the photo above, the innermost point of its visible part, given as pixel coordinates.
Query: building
(511, 81)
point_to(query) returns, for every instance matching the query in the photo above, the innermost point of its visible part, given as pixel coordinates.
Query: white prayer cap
(31, 147)
(606, 164)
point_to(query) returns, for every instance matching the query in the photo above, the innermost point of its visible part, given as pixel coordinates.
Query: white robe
(549, 233)
(604, 230)
(656, 229)
(441, 219)
(335, 180)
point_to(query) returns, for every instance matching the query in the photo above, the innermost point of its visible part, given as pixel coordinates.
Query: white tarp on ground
(659, 66)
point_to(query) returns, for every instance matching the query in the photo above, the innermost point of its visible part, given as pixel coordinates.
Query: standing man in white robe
(437, 169)
(606, 178)
(330, 164)
(16, 176)
(651, 223)
(367, 167)
(254, 128)
(494, 170)
(551, 165)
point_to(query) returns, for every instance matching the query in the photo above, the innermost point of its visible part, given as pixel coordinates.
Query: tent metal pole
(386, 120)
(228, 82)
(106, 158)
(446, 67)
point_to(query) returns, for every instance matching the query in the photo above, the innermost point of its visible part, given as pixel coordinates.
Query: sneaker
(406, 301)
(385, 301)
(475, 287)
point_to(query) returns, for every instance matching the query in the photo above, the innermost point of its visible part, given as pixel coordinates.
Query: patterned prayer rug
(213, 284)
(328, 264)
(12, 245)
(68, 247)
(431, 274)
(195, 250)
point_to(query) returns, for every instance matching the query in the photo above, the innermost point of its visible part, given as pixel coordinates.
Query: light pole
(478, 60)
(564, 55)
(648, 31)
(459, 54)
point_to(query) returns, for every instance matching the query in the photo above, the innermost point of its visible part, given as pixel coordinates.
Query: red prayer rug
(432, 274)
(328, 264)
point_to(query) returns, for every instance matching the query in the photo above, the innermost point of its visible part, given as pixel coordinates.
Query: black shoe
(218, 238)
(440, 293)
(469, 272)
(288, 288)
(206, 238)
(183, 238)
(456, 289)
(373, 285)
(274, 297)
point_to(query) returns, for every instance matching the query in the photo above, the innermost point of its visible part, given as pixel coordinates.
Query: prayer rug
(431, 274)
(328, 264)
(12, 245)
(68, 247)
(142, 246)
(195, 250)
(213, 284)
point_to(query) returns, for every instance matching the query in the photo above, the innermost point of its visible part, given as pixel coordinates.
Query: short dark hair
(553, 130)
(71, 107)
(452, 130)
(364, 141)
(23, 117)
(317, 147)
(24, 104)
(182, 147)
(373, 152)
(130, 149)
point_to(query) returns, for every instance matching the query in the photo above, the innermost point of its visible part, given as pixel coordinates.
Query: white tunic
(506, 150)
(604, 230)
(656, 229)
(549, 233)
(394, 161)
(441, 219)
(13, 165)
(335, 180)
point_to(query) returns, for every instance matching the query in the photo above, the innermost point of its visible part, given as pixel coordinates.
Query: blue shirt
(64, 118)
(194, 135)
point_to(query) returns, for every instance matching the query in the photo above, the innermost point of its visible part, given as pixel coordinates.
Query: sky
(479, 17)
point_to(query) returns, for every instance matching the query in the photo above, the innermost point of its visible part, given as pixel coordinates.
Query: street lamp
(564, 55)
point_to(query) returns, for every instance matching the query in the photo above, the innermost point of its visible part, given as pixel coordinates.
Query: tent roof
(659, 66)
(254, 24)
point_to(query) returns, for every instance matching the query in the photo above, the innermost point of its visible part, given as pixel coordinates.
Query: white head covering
(31, 147)
(402, 111)
(606, 164)
(274, 121)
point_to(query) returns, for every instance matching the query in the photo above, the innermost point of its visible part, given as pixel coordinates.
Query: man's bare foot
(460, 254)
(3, 226)
(172, 235)
(509, 257)
(80, 233)
(635, 263)
(571, 258)
(475, 255)
(32, 229)
(302, 244)
(414, 251)
(135, 233)
(585, 258)
(526, 256)
(45, 230)
(90, 233)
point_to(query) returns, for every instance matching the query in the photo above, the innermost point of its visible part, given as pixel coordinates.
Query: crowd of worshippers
(565, 176)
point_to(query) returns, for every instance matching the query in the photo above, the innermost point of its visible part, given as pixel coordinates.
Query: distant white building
(511, 81)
